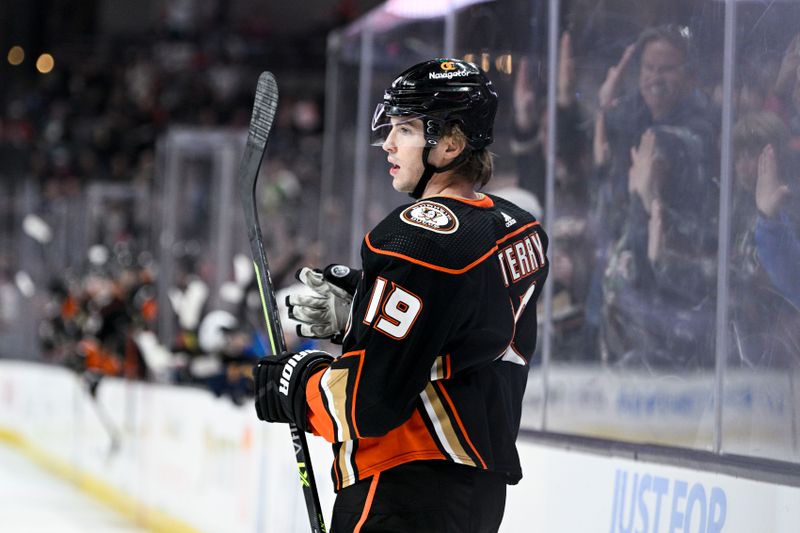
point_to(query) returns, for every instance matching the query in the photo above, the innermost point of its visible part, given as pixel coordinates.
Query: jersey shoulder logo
(431, 216)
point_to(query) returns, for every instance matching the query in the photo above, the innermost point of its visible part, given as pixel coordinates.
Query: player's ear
(453, 146)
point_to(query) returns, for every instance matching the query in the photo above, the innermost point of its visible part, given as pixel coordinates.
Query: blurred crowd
(105, 323)
(636, 212)
(97, 120)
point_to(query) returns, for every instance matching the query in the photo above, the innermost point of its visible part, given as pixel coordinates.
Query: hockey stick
(91, 380)
(266, 103)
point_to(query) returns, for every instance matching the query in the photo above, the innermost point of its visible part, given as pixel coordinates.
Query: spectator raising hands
(771, 194)
(608, 95)
(777, 233)
(566, 72)
(525, 108)
(787, 75)
(640, 175)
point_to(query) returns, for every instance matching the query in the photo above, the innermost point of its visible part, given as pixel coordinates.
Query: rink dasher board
(210, 465)
(569, 490)
(760, 408)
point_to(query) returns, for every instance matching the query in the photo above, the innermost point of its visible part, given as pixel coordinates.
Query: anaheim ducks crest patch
(431, 216)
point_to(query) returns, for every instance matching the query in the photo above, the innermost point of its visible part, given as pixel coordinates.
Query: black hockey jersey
(443, 323)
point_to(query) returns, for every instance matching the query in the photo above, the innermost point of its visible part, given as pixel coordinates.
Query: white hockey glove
(324, 314)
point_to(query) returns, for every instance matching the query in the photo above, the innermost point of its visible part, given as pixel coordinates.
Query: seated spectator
(761, 288)
(777, 237)
(659, 286)
(752, 134)
(778, 228)
(666, 95)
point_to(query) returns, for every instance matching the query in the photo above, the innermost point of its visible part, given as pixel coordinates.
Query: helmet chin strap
(430, 170)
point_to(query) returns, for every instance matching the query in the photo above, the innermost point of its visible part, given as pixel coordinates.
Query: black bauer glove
(280, 384)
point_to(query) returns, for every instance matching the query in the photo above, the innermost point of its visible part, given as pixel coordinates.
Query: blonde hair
(477, 167)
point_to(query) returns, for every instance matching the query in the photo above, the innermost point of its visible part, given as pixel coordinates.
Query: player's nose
(389, 144)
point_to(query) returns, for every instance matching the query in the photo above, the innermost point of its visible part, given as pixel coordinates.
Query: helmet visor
(402, 126)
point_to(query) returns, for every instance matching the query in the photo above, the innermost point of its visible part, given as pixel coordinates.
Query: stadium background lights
(502, 63)
(45, 63)
(16, 55)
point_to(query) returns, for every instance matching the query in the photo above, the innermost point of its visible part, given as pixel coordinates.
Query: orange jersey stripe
(458, 421)
(430, 265)
(337, 481)
(318, 418)
(361, 354)
(446, 270)
(368, 504)
(483, 201)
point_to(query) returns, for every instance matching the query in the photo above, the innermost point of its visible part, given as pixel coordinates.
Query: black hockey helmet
(441, 91)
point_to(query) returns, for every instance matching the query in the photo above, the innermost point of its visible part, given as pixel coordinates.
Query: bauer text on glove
(280, 384)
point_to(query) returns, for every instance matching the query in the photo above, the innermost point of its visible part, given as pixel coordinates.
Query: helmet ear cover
(434, 129)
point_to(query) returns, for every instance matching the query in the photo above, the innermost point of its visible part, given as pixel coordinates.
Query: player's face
(663, 80)
(404, 146)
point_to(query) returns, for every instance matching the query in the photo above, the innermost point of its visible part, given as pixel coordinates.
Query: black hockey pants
(422, 497)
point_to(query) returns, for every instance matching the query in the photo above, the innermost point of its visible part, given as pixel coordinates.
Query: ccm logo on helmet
(288, 369)
(447, 65)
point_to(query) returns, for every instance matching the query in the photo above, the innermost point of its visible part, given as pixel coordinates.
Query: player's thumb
(311, 278)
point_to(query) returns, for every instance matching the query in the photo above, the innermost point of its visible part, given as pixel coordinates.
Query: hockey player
(423, 405)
